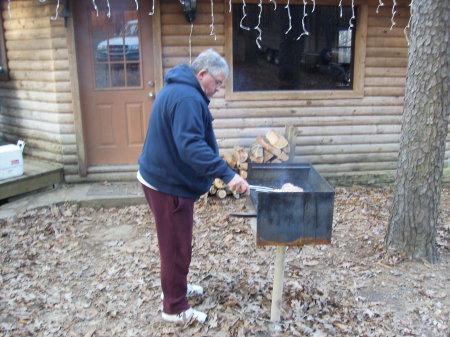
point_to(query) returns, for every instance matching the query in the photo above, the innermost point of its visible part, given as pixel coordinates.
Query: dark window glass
(322, 60)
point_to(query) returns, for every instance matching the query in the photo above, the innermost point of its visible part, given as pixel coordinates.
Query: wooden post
(278, 280)
(278, 277)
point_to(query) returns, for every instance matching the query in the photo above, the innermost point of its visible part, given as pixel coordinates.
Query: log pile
(273, 147)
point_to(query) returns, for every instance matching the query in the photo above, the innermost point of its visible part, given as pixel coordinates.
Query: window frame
(359, 65)
(4, 75)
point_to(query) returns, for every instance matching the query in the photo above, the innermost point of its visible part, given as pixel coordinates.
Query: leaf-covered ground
(69, 271)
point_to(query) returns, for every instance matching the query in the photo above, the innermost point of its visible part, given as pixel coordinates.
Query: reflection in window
(321, 61)
(115, 42)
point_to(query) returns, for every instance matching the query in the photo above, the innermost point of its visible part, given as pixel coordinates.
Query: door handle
(151, 94)
(151, 83)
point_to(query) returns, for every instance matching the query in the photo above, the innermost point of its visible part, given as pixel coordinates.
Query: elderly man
(179, 161)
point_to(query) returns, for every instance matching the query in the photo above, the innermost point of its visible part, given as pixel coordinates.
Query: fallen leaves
(70, 271)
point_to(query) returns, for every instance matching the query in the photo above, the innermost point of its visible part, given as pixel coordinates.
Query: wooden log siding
(336, 135)
(36, 103)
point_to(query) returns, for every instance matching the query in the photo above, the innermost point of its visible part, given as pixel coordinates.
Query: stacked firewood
(271, 148)
(237, 161)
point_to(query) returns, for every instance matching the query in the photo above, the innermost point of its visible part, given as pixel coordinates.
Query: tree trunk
(412, 227)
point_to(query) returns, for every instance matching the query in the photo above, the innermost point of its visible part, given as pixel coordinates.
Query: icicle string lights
(380, 4)
(153, 9)
(137, 4)
(56, 14)
(289, 16)
(393, 13)
(190, 43)
(109, 9)
(9, 8)
(95, 6)
(340, 8)
(408, 26)
(305, 32)
(244, 14)
(259, 38)
(230, 7)
(274, 4)
(350, 22)
(314, 6)
(212, 21)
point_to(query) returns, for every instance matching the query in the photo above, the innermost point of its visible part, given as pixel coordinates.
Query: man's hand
(239, 185)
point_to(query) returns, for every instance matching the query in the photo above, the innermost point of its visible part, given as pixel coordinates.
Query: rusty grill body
(292, 218)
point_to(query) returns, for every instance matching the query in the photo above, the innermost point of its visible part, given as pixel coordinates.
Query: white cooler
(11, 160)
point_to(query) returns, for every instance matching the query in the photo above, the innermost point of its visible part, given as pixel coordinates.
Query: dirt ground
(70, 271)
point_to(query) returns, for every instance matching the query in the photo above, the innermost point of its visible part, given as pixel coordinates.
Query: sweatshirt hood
(184, 74)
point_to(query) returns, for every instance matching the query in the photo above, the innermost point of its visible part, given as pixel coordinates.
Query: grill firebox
(292, 218)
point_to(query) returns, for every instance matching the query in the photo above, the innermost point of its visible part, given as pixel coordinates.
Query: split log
(276, 139)
(240, 154)
(219, 183)
(268, 156)
(256, 153)
(243, 166)
(221, 193)
(267, 146)
(212, 190)
(230, 158)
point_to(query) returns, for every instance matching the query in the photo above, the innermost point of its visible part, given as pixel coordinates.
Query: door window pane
(321, 60)
(133, 75)
(117, 75)
(116, 48)
(102, 76)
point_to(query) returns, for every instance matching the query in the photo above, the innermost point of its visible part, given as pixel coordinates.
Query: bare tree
(417, 190)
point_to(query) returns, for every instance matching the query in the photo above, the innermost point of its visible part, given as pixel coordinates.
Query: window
(320, 62)
(116, 49)
(4, 74)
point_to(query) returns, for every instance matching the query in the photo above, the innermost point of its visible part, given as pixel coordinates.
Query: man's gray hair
(212, 61)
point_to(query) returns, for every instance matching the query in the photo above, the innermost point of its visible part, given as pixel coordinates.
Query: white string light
(305, 32)
(109, 9)
(408, 26)
(340, 8)
(137, 4)
(56, 14)
(230, 6)
(190, 43)
(9, 8)
(289, 16)
(393, 13)
(350, 22)
(259, 38)
(153, 9)
(274, 4)
(212, 21)
(380, 4)
(244, 14)
(314, 6)
(95, 6)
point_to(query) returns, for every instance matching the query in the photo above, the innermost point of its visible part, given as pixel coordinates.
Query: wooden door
(116, 76)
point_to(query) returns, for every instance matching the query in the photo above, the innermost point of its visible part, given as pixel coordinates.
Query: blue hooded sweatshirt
(180, 154)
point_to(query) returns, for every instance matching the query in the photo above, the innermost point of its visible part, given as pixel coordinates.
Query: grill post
(278, 280)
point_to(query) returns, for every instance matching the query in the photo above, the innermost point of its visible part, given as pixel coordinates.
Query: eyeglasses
(218, 82)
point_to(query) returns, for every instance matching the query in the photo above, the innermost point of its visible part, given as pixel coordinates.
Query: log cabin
(78, 79)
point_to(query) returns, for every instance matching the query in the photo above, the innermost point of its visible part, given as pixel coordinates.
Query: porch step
(37, 175)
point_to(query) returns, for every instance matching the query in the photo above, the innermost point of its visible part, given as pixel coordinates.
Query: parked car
(122, 47)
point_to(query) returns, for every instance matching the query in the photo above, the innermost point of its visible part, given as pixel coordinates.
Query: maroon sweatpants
(174, 217)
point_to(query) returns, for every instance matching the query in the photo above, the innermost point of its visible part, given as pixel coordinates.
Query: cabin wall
(338, 136)
(36, 103)
(341, 137)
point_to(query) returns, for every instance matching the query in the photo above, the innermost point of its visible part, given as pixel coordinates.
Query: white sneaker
(185, 316)
(192, 290)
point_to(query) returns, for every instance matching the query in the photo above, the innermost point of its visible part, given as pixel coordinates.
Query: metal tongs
(261, 188)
